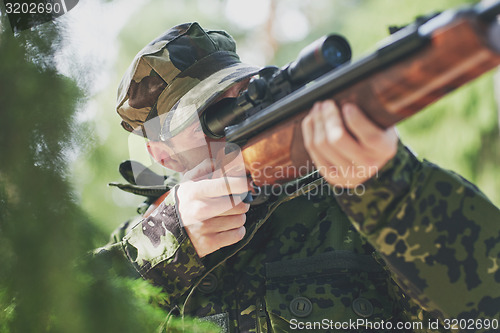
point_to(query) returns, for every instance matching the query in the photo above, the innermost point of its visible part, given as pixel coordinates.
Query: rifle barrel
(402, 43)
(407, 41)
(417, 66)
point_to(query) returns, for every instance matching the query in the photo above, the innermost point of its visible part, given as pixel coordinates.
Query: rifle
(415, 66)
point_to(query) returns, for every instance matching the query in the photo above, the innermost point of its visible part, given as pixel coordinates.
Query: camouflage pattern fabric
(439, 235)
(420, 245)
(182, 71)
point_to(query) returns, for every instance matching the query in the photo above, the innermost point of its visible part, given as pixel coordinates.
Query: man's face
(190, 147)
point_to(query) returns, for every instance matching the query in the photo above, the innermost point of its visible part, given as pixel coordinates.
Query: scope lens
(319, 57)
(336, 50)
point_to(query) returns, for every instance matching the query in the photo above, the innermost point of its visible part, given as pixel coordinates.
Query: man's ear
(163, 155)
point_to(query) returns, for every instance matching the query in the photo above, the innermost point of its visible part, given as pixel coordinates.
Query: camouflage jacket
(420, 247)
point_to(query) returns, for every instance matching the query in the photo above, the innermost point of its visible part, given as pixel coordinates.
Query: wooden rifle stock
(441, 55)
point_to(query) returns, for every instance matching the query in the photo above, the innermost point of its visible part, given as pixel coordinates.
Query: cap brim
(196, 100)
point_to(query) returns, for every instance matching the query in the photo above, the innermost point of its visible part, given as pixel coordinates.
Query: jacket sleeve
(160, 250)
(439, 235)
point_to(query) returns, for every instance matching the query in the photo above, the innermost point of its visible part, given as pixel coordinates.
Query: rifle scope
(316, 59)
(319, 57)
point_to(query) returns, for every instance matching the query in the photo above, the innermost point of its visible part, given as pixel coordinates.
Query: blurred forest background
(61, 142)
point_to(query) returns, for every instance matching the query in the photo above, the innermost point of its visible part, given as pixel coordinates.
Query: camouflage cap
(178, 74)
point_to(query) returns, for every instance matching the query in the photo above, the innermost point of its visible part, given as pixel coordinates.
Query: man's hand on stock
(345, 146)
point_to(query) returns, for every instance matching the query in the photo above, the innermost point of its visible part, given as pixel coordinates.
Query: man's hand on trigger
(346, 146)
(211, 208)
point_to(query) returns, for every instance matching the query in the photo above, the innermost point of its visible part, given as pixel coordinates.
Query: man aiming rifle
(419, 244)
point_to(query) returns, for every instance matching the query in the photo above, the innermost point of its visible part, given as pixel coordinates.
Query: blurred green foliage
(49, 282)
